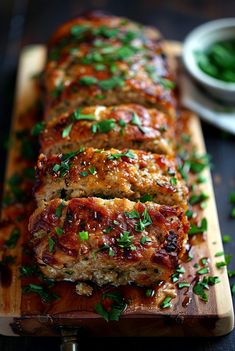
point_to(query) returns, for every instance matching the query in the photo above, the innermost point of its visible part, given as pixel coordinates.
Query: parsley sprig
(65, 164)
(116, 305)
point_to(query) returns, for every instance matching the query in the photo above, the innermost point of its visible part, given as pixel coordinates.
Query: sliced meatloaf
(108, 241)
(97, 60)
(131, 126)
(131, 174)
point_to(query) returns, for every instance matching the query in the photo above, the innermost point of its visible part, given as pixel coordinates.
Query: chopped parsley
(203, 270)
(175, 277)
(211, 280)
(226, 239)
(38, 128)
(84, 235)
(104, 126)
(84, 174)
(77, 31)
(65, 165)
(58, 90)
(232, 197)
(233, 288)
(29, 270)
(58, 211)
(14, 237)
(145, 198)
(183, 284)
(225, 262)
(132, 214)
(194, 229)
(88, 80)
(180, 269)
(92, 170)
(199, 162)
(45, 295)
(233, 212)
(66, 131)
(204, 261)
(78, 116)
(199, 288)
(9, 259)
(122, 124)
(173, 181)
(196, 199)
(144, 221)
(59, 231)
(125, 241)
(111, 83)
(51, 244)
(145, 240)
(137, 122)
(111, 306)
(127, 153)
(166, 303)
(219, 253)
(231, 274)
(108, 230)
(150, 292)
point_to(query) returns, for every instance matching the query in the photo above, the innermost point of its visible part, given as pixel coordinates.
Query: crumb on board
(84, 289)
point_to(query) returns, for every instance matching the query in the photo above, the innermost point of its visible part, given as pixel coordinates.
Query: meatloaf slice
(108, 241)
(90, 64)
(131, 126)
(108, 174)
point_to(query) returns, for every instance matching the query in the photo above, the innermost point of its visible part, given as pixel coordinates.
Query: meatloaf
(131, 126)
(106, 60)
(130, 174)
(108, 241)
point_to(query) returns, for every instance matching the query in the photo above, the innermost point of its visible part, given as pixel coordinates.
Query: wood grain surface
(29, 316)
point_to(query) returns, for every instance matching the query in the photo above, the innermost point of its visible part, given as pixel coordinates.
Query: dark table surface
(25, 22)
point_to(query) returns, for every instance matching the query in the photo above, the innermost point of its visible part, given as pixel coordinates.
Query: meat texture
(113, 173)
(108, 241)
(131, 126)
(100, 59)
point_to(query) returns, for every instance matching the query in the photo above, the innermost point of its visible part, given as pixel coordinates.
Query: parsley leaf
(145, 198)
(45, 295)
(144, 221)
(203, 270)
(67, 130)
(225, 262)
(198, 289)
(111, 83)
(127, 153)
(78, 116)
(51, 244)
(84, 235)
(125, 241)
(116, 308)
(104, 126)
(58, 211)
(88, 80)
(64, 166)
(194, 229)
(137, 122)
(38, 128)
(14, 237)
(166, 303)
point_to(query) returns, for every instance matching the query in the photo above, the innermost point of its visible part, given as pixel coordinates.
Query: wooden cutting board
(24, 314)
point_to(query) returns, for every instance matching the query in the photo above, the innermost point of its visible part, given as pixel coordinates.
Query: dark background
(25, 22)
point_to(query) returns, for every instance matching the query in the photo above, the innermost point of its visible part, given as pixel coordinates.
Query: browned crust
(156, 133)
(167, 234)
(110, 174)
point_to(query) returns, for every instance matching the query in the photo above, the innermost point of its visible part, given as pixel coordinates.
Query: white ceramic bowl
(200, 39)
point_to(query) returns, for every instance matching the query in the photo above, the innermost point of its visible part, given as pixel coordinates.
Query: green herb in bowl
(218, 60)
